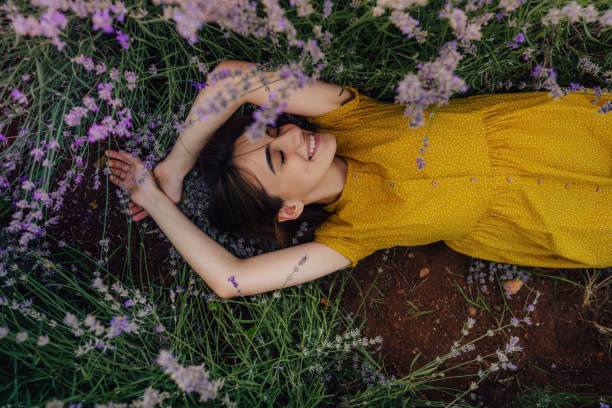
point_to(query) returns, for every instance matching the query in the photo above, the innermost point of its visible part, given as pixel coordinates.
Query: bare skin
(169, 182)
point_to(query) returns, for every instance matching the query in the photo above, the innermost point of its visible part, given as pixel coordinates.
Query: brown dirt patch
(561, 348)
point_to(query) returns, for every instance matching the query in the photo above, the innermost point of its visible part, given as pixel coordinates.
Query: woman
(513, 178)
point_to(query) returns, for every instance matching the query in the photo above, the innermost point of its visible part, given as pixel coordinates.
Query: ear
(290, 211)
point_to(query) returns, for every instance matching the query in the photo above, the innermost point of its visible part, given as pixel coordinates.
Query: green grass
(239, 340)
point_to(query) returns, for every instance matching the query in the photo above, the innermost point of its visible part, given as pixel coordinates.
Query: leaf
(251, 332)
(512, 286)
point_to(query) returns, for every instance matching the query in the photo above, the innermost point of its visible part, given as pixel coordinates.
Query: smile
(313, 146)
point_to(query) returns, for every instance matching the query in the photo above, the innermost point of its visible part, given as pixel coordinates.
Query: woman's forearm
(206, 257)
(198, 132)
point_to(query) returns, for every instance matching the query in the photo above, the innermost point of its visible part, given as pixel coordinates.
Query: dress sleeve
(351, 249)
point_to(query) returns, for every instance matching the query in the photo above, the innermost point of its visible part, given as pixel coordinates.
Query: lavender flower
(191, 378)
(102, 21)
(327, 8)
(42, 341)
(123, 39)
(21, 337)
(434, 84)
(19, 97)
(232, 279)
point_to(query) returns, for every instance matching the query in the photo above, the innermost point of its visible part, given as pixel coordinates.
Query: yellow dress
(516, 178)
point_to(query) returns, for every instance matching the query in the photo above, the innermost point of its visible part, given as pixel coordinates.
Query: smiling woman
(497, 185)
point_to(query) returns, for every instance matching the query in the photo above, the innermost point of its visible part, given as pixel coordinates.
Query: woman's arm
(314, 100)
(218, 267)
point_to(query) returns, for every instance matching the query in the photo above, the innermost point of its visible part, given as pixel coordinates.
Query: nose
(291, 139)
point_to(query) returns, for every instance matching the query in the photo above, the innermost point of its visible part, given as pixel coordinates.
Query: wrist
(153, 200)
(179, 163)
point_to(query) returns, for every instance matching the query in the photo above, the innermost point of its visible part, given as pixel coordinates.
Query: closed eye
(282, 155)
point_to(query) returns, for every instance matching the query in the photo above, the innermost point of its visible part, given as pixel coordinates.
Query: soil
(415, 315)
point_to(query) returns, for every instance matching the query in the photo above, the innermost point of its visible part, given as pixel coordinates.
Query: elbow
(224, 295)
(225, 291)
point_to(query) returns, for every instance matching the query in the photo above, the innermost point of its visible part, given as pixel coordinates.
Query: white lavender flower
(55, 404)
(42, 340)
(3, 332)
(150, 399)
(21, 337)
(99, 285)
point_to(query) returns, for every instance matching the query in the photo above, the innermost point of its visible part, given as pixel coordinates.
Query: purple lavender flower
(536, 71)
(19, 97)
(123, 39)
(97, 132)
(102, 20)
(327, 8)
(520, 38)
(198, 85)
(119, 324)
(233, 280)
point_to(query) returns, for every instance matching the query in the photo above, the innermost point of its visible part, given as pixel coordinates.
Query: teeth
(312, 145)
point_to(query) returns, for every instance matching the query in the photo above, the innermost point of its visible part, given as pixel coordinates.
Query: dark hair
(236, 205)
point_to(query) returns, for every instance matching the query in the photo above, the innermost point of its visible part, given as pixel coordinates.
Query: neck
(333, 184)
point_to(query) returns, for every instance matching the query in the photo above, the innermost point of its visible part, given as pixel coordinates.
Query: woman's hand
(171, 183)
(132, 176)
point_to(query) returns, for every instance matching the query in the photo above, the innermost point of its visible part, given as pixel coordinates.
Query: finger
(118, 164)
(119, 173)
(141, 216)
(135, 210)
(117, 179)
(126, 157)
(119, 158)
(135, 214)
(112, 154)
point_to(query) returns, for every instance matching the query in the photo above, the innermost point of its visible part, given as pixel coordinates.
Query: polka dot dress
(513, 178)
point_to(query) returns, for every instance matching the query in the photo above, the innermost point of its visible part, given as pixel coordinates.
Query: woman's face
(284, 164)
